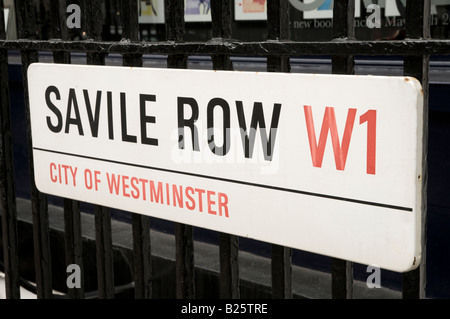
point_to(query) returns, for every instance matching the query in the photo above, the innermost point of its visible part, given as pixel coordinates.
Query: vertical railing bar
(277, 20)
(130, 23)
(72, 218)
(42, 256)
(228, 244)
(341, 279)
(184, 239)
(59, 29)
(105, 263)
(103, 240)
(343, 20)
(221, 19)
(140, 223)
(343, 29)
(39, 206)
(8, 206)
(142, 257)
(281, 257)
(73, 243)
(174, 13)
(417, 25)
(229, 266)
(185, 268)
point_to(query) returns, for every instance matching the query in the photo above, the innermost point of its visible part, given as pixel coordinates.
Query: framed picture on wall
(197, 10)
(151, 11)
(250, 10)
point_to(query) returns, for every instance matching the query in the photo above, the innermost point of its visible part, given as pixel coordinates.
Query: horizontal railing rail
(263, 48)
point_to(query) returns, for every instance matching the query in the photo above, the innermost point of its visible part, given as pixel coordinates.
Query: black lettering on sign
(110, 115)
(146, 119)
(226, 126)
(182, 122)
(72, 101)
(248, 138)
(75, 115)
(93, 119)
(123, 119)
(59, 124)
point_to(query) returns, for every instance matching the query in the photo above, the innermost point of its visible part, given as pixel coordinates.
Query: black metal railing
(416, 49)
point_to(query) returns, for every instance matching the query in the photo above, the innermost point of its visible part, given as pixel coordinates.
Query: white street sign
(330, 164)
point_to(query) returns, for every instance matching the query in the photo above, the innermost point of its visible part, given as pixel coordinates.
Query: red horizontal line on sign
(351, 200)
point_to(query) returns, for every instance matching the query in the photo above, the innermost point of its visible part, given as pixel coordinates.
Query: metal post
(184, 241)
(72, 217)
(228, 244)
(42, 256)
(278, 29)
(7, 192)
(417, 21)
(343, 29)
(105, 261)
(140, 223)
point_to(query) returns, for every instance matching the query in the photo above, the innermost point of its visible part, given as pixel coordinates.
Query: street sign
(330, 164)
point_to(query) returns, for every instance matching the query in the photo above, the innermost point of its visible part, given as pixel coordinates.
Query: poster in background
(151, 11)
(250, 9)
(197, 10)
(325, 11)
